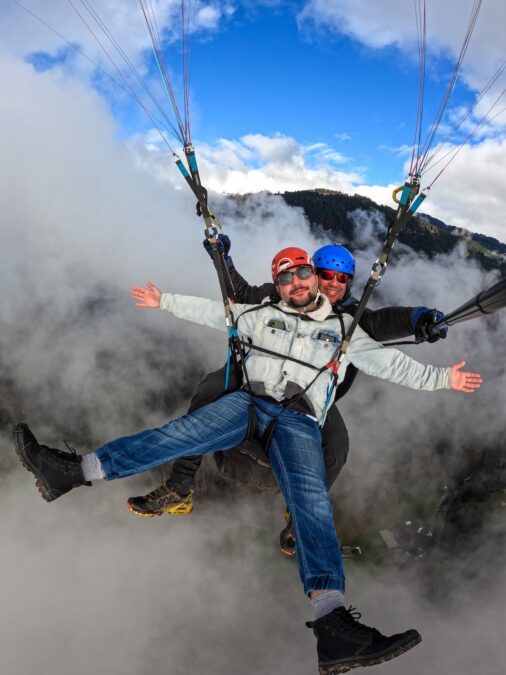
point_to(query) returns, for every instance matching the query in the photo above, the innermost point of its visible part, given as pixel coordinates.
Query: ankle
(92, 467)
(325, 602)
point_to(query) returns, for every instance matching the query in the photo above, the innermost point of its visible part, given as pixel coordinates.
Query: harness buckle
(375, 274)
(211, 232)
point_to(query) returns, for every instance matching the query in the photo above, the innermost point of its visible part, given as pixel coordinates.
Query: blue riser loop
(405, 194)
(417, 203)
(182, 168)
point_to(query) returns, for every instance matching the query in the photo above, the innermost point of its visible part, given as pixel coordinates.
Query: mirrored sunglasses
(302, 272)
(328, 275)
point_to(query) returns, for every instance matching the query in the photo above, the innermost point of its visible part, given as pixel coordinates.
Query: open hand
(466, 382)
(146, 297)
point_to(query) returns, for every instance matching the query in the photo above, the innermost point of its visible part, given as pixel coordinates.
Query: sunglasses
(328, 275)
(302, 272)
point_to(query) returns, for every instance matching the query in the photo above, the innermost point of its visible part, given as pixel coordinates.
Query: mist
(85, 586)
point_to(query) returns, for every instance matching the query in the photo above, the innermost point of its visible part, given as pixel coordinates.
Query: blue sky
(305, 93)
(266, 72)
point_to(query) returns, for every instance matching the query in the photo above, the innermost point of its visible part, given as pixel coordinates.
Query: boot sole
(45, 491)
(361, 662)
(182, 512)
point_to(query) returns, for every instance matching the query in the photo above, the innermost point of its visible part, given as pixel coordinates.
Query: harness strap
(263, 350)
(274, 304)
(334, 364)
(212, 226)
(212, 229)
(408, 204)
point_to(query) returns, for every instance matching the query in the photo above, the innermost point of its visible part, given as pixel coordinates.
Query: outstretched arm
(198, 310)
(395, 366)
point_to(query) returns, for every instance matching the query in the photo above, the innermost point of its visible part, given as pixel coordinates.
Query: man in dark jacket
(335, 266)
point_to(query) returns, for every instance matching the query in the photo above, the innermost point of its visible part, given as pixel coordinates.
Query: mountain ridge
(331, 212)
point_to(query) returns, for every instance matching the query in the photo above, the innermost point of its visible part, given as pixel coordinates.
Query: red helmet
(289, 257)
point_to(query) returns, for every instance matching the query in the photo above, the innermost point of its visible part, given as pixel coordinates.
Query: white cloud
(381, 24)
(470, 193)
(257, 162)
(342, 136)
(21, 33)
(212, 16)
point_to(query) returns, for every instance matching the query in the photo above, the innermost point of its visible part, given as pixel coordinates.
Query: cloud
(22, 33)
(379, 25)
(342, 136)
(256, 162)
(52, 34)
(469, 194)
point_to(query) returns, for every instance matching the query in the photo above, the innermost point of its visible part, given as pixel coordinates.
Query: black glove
(423, 320)
(224, 243)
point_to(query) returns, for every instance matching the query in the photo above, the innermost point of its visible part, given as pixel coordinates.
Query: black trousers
(335, 439)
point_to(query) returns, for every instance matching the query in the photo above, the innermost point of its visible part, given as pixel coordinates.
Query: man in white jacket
(296, 338)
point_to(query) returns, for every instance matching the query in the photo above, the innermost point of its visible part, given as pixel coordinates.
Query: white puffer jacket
(311, 338)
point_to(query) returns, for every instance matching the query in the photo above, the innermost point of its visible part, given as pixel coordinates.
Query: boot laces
(348, 622)
(61, 460)
(71, 450)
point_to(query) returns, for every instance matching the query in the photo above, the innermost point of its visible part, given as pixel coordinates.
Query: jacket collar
(323, 310)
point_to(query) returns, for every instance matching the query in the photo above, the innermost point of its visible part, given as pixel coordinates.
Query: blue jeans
(295, 454)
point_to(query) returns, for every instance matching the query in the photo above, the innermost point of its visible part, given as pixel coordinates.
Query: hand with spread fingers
(148, 297)
(466, 382)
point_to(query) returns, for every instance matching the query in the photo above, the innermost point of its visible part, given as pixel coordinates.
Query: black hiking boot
(164, 499)
(287, 536)
(345, 643)
(56, 471)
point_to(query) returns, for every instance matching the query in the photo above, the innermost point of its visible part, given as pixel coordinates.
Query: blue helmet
(334, 257)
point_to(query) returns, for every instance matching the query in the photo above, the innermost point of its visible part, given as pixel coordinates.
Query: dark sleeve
(388, 323)
(249, 295)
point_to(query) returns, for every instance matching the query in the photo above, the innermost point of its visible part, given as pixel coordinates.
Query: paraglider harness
(254, 449)
(249, 461)
(253, 467)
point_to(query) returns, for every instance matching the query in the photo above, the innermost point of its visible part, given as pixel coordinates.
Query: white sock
(326, 602)
(92, 467)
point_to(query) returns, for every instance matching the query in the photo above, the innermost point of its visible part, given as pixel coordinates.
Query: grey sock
(92, 467)
(326, 602)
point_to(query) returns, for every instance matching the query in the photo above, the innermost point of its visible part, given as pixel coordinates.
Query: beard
(303, 302)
